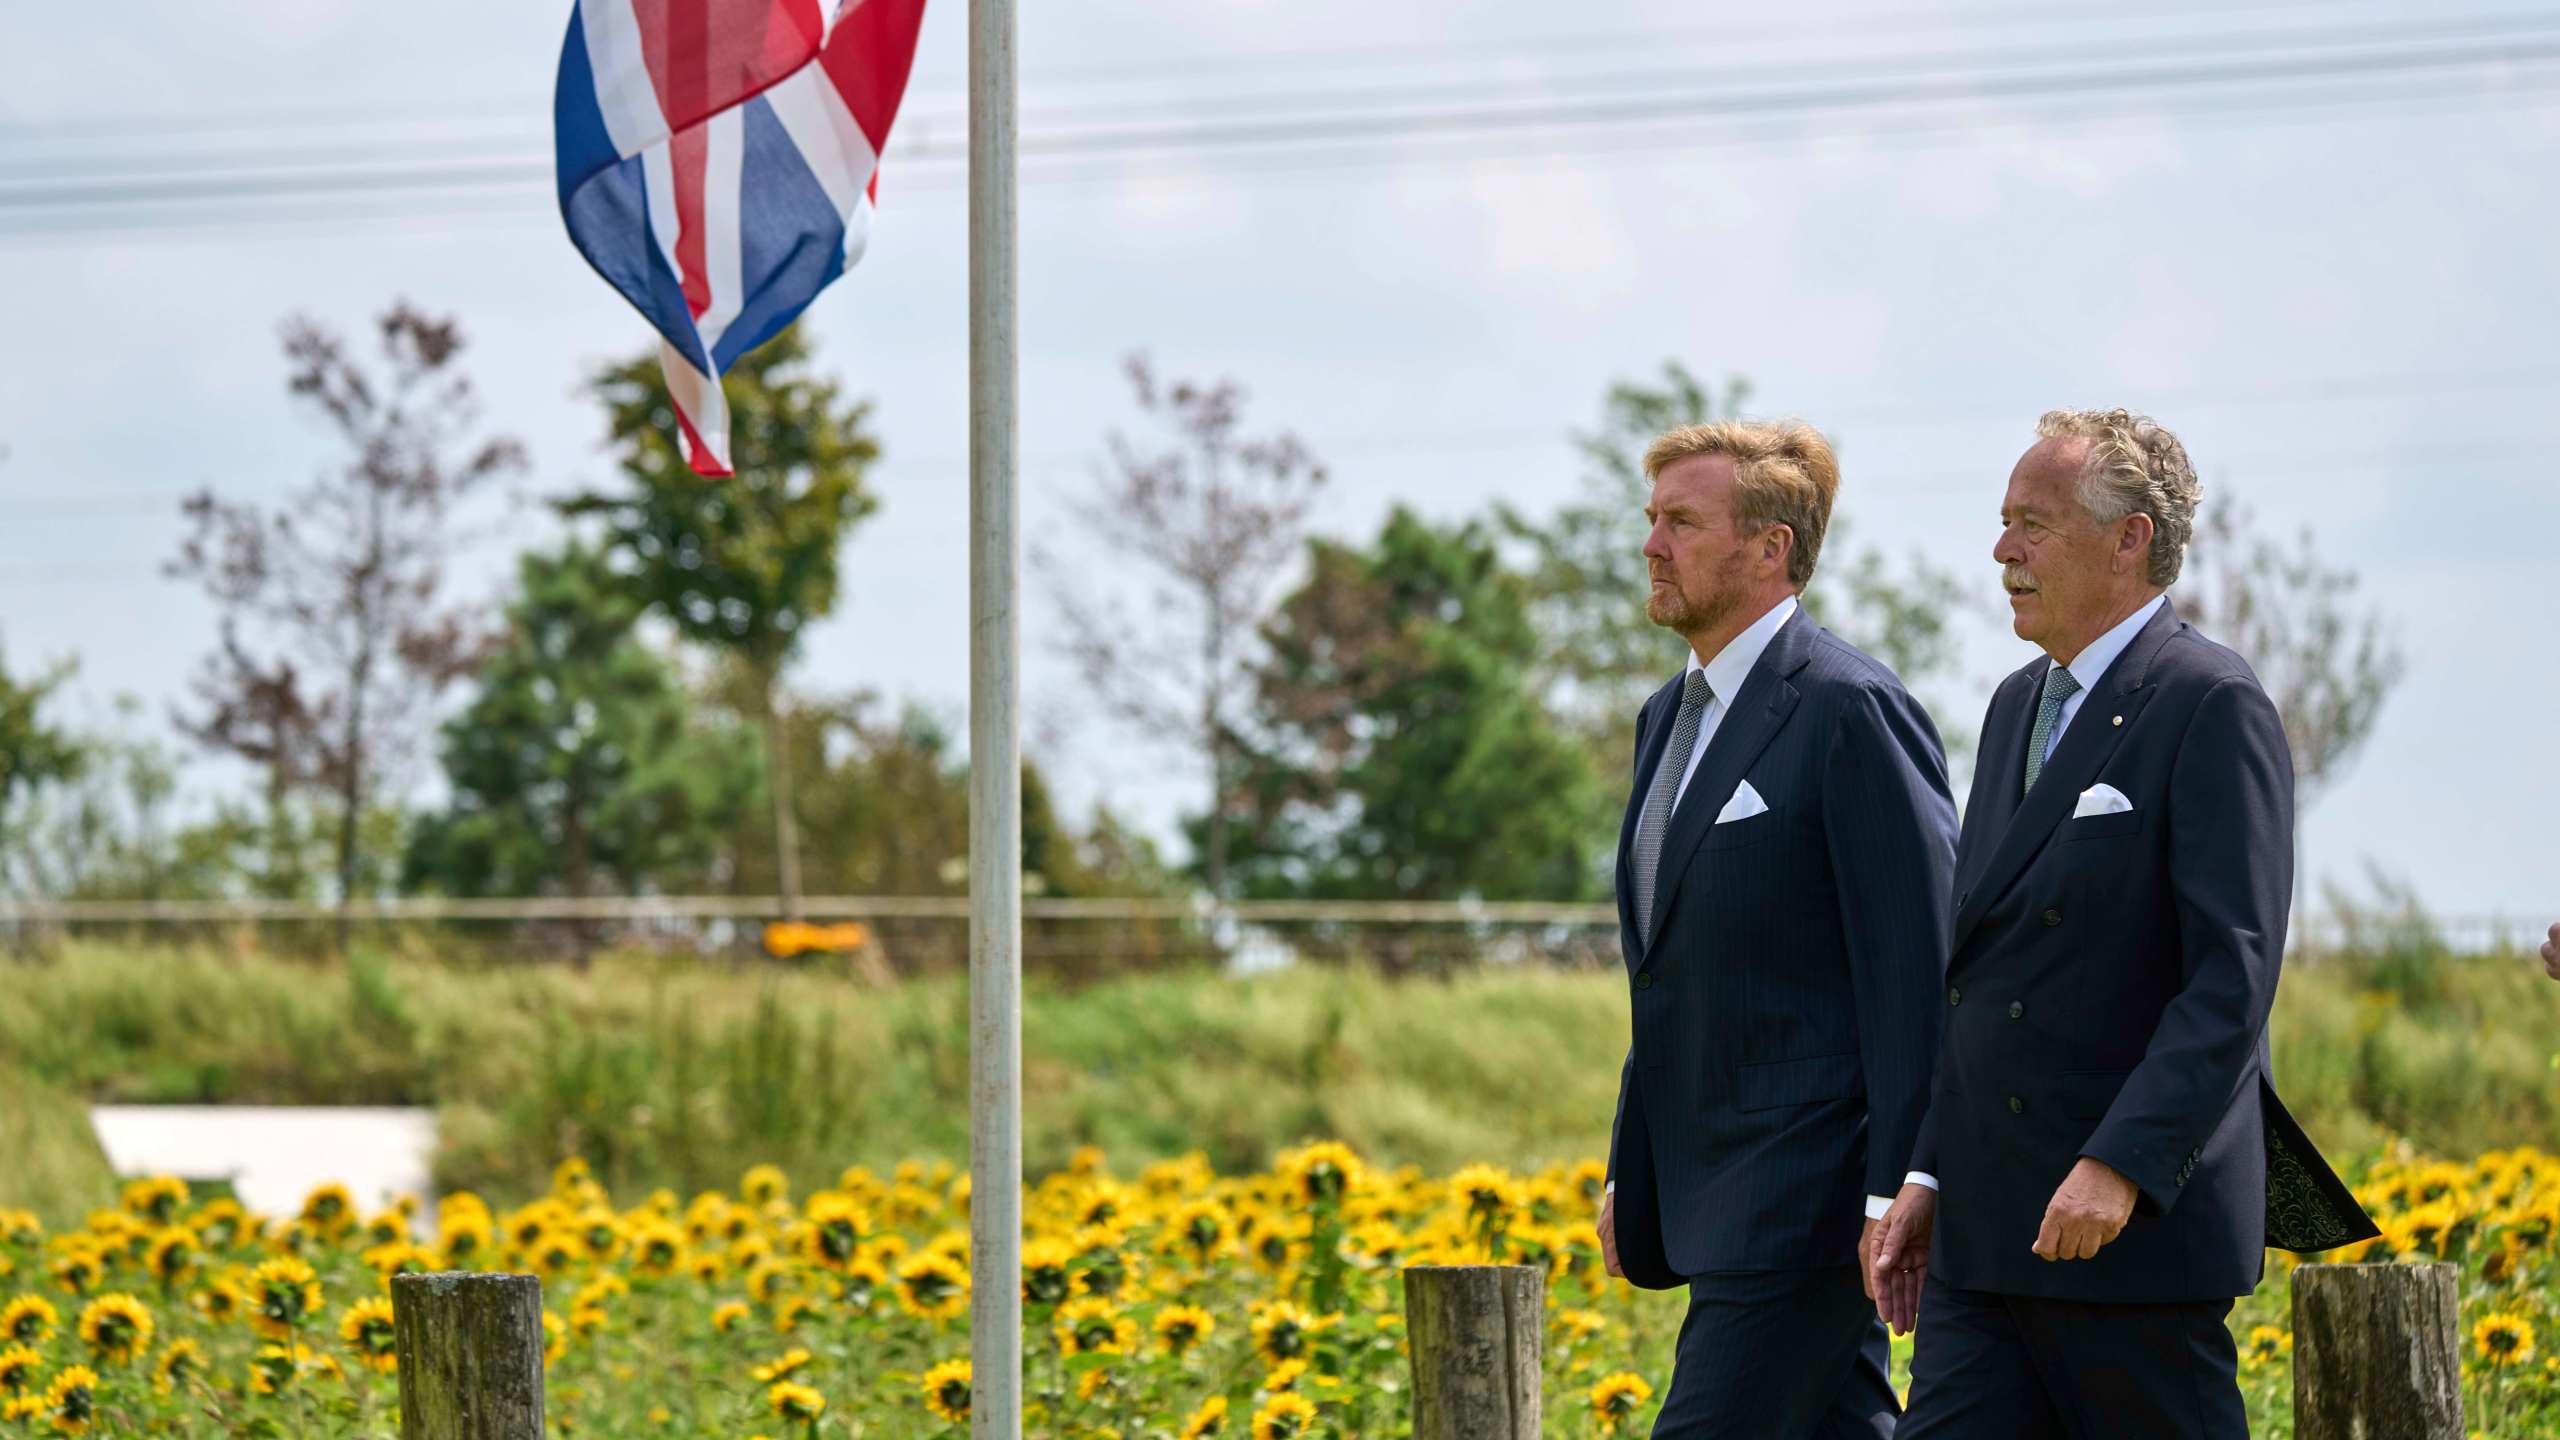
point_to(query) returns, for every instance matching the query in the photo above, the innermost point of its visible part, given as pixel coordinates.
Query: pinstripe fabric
(1784, 976)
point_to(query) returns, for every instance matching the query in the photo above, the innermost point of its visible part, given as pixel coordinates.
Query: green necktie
(2059, 685)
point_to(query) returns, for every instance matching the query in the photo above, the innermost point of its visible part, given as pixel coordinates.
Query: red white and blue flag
(718, 162)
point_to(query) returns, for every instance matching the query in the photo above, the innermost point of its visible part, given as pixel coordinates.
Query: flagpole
(995, 745)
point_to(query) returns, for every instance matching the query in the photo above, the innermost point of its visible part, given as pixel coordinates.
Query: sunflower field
(1173, 1303)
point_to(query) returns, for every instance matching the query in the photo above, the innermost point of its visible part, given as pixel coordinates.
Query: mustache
(2015, 577)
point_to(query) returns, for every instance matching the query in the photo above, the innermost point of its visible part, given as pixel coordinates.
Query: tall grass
(673, 1074)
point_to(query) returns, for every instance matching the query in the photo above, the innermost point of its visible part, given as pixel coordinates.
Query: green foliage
(1404, 748)
(674, 1073)
(580, 763)
(32, 752)
(1600, 657)
(743, 563)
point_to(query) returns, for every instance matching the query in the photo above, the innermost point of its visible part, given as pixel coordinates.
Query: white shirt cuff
(1612, 1190)
(1877, 1205)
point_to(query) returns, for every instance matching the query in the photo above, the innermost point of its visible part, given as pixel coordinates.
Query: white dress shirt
(1725, 675)
(2091, 664)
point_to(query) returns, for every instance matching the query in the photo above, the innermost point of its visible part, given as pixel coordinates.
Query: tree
(2327, 663)
(1588, 576)
(1403, 749)
(579, 760)
(335, 638)
(33, 753)
(1209, 520)
(107, 828)
(741, 564)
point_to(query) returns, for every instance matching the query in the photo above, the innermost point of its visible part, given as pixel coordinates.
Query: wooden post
(1476, 1332)
(470, 1349)
(2377, 1352)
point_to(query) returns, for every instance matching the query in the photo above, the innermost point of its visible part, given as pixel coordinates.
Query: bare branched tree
(336, 637)
(1208, 519)
(2327, 662)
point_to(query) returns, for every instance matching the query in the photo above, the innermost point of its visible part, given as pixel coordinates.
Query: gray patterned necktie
(1651, 825)
(2059, 685)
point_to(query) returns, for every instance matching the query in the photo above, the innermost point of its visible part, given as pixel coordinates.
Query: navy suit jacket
(2108, 987)
(1785, 1015)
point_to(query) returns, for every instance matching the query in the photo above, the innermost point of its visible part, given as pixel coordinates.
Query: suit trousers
(2017, 1367)
(1780, 1355)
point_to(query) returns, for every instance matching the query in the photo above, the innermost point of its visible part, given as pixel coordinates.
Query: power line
(1401, 121)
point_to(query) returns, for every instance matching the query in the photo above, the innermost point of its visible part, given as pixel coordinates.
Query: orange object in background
(784, 939)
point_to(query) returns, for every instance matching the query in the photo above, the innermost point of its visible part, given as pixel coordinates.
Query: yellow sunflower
(173, 1254)
(932, 1286)
(1094, 1327)
(946, 1391)
(278, 1365)
(2503, 1339)
(726, 1315)
(2267, 1344)
(329, 1209)
(794, 1401)
(764, 1183)
(1616, 1399)
(1284, 1417)
(18, 1367)
(1282, 1331)
(1045, 1277)
(156, 1197)
(1180, 1327)
(284, 1295)
(790, 1362)
(555, 1338)
(116, 1328)
(71, 1401)
(1206, 1422)
(366, 1327)
(180, 1362)
(28, 1320)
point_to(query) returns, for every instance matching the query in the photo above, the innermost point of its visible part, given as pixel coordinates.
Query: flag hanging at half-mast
(718, 162)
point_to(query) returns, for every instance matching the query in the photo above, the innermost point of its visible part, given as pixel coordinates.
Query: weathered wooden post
(470, 1349)
(2377, 1352)
(1476, 1333)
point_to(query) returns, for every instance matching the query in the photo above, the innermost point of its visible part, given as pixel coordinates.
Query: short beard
(1679, 614)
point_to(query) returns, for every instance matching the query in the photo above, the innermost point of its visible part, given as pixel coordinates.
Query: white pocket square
(1746, 802)
(2101, 800)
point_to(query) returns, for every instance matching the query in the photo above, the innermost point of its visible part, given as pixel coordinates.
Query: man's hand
(1609, 1235)
(2551, 953)
(2086, 1212)
(1895, 1256)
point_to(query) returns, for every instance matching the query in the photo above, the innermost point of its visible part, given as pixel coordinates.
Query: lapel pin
(2119, 719)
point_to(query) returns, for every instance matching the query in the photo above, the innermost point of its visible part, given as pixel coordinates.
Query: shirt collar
(1733, 663)
(2092, 662)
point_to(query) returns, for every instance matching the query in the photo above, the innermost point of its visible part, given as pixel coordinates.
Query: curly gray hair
(2135, 466)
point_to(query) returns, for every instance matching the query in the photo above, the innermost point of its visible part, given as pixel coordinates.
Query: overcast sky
(2337, 287)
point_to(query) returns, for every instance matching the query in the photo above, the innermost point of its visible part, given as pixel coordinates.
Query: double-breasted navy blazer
(2108, 986)
(1784, 1017)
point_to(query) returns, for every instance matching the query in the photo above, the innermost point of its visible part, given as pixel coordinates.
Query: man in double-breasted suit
(2110, 1153)
(1783, 878)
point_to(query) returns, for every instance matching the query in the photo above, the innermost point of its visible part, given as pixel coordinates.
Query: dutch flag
(717, 163)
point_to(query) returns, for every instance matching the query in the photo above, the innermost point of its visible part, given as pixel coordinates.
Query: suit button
(2017, 1106)
(2053, 917)
(1954, 996)
(2016, 1009)
(2182, 1179)
(1644, 979)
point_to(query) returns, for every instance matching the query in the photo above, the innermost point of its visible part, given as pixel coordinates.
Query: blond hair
(2135, 466)
(1783, 474)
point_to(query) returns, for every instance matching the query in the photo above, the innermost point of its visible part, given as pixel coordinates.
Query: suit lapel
(1995, 777)
(1750, 720)
(2084, 750)
(1652, 738)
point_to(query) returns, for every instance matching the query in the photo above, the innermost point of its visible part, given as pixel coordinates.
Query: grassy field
(674, 1074)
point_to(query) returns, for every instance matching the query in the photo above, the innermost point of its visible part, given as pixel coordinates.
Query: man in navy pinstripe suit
(1783, 886)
